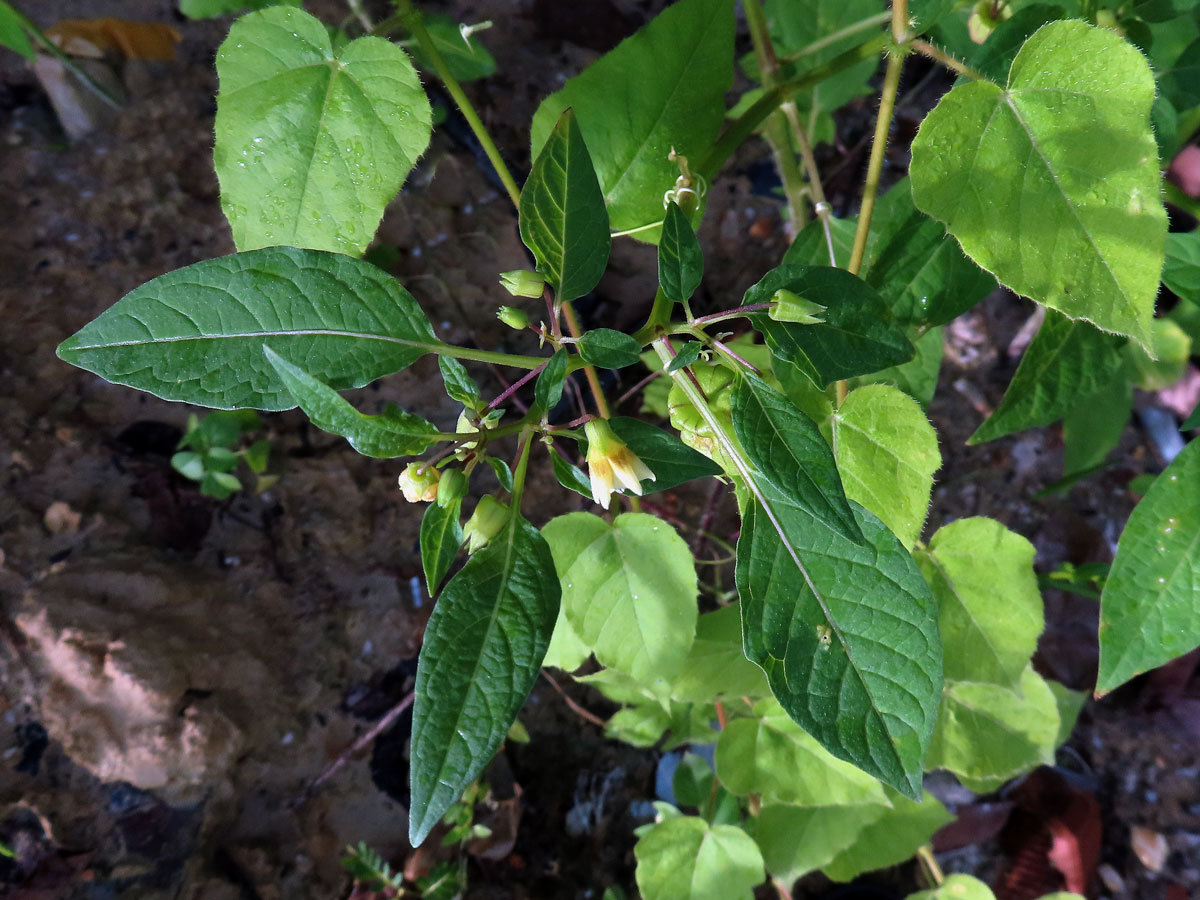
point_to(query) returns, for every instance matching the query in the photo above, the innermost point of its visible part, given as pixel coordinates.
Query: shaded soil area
(175, 672)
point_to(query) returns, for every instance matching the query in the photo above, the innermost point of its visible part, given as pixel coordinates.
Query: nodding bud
(419, 482)
(792, 308)
(611, 464)
(485, 523)
(513, 317)
(452, 487)
(985, 16)
(523, 283)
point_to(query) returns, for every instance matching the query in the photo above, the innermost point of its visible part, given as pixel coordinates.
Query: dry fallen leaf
(132, 40)
(59, 518)
(1150, 846)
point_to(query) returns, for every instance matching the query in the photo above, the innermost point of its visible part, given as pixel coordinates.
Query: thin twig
(515, 386)
(927, 49)
(354, 749)
(700, 542)
(637, 387)
(575, 707)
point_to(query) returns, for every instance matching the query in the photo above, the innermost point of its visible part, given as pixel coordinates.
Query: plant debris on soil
(178, 675)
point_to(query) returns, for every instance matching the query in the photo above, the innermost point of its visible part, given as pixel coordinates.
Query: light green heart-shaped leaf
(685, 858)
(312, 144)
(1065, 156)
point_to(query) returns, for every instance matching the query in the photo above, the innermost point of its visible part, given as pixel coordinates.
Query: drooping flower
(419, 482)
(611, 464)
(485, 523)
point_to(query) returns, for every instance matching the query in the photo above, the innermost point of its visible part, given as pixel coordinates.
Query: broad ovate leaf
(796, 840)
(660, 89)
(987, 592)
(988, 734)
(563, 219)
(197, 334)
(483, 647)
(957, 887)
(890, 839)
(770, 755)
(685, 858)
(312, 143)
(1052, 183)
(629, 590)
(392, 433)
(887, 453)
(1150, 607)
(716, 664)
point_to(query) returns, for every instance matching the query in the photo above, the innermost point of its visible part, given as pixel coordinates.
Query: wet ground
(175, 672)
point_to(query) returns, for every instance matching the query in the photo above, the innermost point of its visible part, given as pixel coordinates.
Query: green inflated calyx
(485, 523)
(452, 488)
(792, 308)
(513, 317)
(523, 283)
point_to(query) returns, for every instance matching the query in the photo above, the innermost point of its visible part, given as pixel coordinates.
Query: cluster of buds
(611, 462)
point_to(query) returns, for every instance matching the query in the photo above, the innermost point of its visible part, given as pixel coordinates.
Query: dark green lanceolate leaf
(771, 756)
(1065, 362)
(661, 88)
(609, 349)
(688, 354)
(563, 219)
(197, 334)
(987, 734)
(465, 57)
(987, 592)
(482, 650)
(811, 247)
(460, 385)
(394, 433)
(920, 271)
(858, 335)
(919, 376)
(846, 632)
(890, 839)
(570, 476)
(629, 590)
(1150, 608)
(311, 145)
(1180, 80)
(786, 446)
(1181, 272)
(441, 536)
(680, 259)
(12, 35)
(796, 840)
(1094, 427)
(685, 858)
(1067, 152)
(548, 388)
(887, 452)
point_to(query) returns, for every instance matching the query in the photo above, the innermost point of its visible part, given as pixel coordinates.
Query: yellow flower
(611, 464)
(419, 482)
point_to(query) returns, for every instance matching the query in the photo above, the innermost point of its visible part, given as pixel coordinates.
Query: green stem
(829, 40)
(589, 372)
(411, 17)
(746, 124)
(67, 63)
(883, 123)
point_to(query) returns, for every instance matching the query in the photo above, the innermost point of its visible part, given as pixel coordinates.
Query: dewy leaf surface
(311, 145)
(197, 334)
(1150, 608)
(1053, 183)
(1065, 362)
(482, 650)
(629, 590)
(858, 335)
(563, 219)
(386, 436)
(770, 755)
(846, 632)
(887, 452)
(990, 606)
(788, 449)
(685, 858)
(661, 88)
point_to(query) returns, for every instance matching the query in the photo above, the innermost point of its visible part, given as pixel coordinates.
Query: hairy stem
(927, 49)
(410, 16)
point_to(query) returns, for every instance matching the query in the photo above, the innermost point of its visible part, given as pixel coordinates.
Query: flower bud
(485, 523)
(611, 462)
(452, 488)
(513, 317)
(792, 308)
(985, 16)
(523, 283)
(419, 482)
